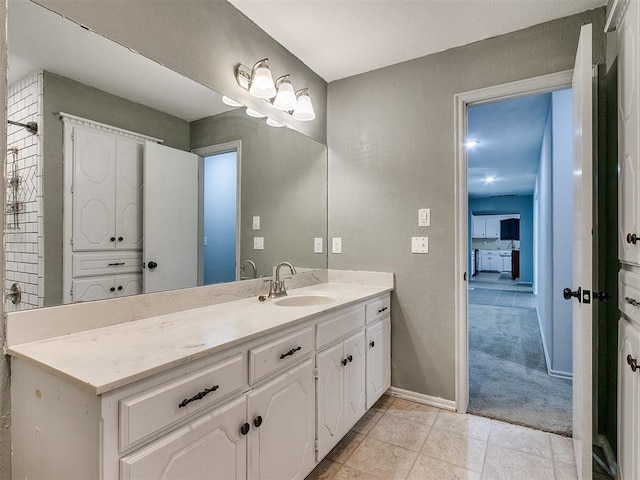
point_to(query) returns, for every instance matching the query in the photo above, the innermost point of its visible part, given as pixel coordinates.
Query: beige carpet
(508, 378)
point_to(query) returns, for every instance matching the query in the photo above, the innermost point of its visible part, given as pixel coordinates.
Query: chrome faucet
(242, 268)
(276, 287)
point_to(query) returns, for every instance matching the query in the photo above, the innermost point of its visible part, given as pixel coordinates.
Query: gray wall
(283, 180)
(391, 151)
(204, 40)
(5, 393)
(69, 96)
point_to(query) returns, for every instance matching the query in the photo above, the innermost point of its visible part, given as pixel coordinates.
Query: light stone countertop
(103, 359)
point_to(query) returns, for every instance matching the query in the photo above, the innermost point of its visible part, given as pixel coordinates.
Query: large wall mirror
(140, 179)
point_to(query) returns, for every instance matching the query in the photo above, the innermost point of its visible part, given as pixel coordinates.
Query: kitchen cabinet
(490, 261)
(486, 226)
(506, 263)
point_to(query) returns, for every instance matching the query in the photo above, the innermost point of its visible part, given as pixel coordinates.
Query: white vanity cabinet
(99, 288)
(341, 382)
(628, 403)
(378, 339)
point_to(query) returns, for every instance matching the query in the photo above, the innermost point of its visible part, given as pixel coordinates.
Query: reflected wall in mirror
(79, 203)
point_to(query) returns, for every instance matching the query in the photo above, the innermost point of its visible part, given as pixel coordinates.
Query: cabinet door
(478, 227)
(128, 194)
(330, 398)
(483, 263)
(378, 360)
(94, 179)
(128, 285)
(93, 288)
(354, 379)
(209, 447)
(506, 264)
(628, 403)
(628, 132)
(496, 263)
(492, 227)
(281, 415)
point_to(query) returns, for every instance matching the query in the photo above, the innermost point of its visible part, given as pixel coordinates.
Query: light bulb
(286, 97)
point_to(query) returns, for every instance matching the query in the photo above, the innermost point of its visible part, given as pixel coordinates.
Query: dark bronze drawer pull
(631, 301)
(290, 352)
(116, 264)
(383, 309)
(198, 396)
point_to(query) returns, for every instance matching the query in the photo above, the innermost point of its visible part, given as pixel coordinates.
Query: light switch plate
(336, 245)
(317, 245)
(424, 217)
(258, 243)
(419, 244)
(256, 223)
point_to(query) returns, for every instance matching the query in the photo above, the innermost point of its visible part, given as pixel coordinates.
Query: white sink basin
(304, 301)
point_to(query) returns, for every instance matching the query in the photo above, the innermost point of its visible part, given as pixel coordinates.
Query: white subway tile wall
(24, 239)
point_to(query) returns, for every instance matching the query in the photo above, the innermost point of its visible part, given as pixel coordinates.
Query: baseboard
(547, 360)
(422, 398)
(560, 374)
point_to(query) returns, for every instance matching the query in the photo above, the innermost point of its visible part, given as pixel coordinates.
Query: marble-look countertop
(103, 359)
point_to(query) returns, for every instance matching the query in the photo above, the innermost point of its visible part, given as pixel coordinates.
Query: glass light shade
(286, 96)
(304, 108)
(262, 85)
(272, 123)
(255, 114)
(230, 101)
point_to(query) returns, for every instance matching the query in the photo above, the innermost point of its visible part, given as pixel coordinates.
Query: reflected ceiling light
(230, 101)
(471, 143)
(262, 85)
(304, 108)
(272, 123)
(489, 179)
(286, 96)
(254, 113)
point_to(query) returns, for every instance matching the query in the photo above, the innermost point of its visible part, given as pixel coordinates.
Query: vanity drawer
(378, 308)
(629, 292)
(107, 263)
(283, 351)
(149, 411)
(340, 325)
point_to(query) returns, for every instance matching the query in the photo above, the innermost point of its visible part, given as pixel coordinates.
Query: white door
(582, 254)
(282, 437)
(170, 218)
(211, 447)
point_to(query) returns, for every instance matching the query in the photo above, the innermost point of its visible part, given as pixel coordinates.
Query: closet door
(94, 181)
(128, 194)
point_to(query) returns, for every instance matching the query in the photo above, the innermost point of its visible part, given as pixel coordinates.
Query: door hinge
(71, 240)
(317, 446)
(73, 134)
(315, 373)
(71, 188)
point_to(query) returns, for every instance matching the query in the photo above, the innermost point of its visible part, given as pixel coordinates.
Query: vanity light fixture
(262, 85)
(286, 96)
(230, 101)
(272, 123)
(254, 113)
(304, 108)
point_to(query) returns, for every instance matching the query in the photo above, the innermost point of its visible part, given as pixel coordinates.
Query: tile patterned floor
(398, 439)
(500, 298)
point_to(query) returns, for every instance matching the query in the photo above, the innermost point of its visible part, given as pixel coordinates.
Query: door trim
(233, 146)
(541, 84)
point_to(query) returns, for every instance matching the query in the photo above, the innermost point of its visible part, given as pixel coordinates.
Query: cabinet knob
(112, 289)
(119, 288)
(120, 239)
(632, 238)
(350, 358)
(152, 265)
(113, 239)
(344, 362)
(244, 429)
(372, 344)
(632, 363)
(257, 421)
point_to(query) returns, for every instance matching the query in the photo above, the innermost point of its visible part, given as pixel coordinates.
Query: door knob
(152, 265)
(567, 293)
(602, 296)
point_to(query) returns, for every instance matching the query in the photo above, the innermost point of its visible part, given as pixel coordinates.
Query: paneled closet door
(628, 131)
(128, 194)
(94, 182)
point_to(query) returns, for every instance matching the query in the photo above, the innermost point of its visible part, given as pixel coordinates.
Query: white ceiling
(510, 134)
(341, 38)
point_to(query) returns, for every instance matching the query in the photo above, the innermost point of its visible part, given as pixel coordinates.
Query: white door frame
(233, 146)
(542, 84)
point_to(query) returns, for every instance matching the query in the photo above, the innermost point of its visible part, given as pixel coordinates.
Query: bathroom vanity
(239, 389)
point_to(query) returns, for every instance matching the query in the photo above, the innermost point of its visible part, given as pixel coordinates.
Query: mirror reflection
(139, 179)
